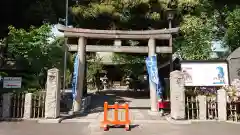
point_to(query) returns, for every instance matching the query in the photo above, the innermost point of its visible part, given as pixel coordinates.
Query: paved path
(170, 129)
(33, 128)
(139, 105)
(138, 102)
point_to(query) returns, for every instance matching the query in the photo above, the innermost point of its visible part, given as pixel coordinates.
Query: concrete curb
(78, 120)
(43, 121)
(232, 122)
(149, 122)
(97, 121)
(179, 122)
(196, 121)
(18, 119)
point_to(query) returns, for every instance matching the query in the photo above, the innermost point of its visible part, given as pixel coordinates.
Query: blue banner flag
(151, 63)
(75, 77)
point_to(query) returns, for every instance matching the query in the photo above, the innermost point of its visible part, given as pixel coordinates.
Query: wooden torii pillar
(117, 35)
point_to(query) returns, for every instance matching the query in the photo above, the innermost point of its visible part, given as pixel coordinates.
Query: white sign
(205, 73)
(12, 82)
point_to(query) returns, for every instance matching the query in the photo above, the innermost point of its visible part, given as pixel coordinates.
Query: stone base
(75, 113)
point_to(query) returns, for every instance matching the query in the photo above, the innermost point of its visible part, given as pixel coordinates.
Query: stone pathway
(138, 103)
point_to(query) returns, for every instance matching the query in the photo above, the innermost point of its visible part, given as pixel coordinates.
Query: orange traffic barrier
(116, 122)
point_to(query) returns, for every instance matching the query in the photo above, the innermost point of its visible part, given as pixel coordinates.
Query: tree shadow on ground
(112, 96)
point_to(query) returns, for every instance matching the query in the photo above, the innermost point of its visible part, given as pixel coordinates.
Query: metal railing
(38, 104)
(17, 105)
(233, 111)
(192, 107)
(212, 108)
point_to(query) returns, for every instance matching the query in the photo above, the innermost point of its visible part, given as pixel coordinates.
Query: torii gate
(117, 36)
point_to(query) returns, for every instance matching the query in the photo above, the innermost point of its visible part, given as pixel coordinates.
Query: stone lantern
(128, 82)
(105, 82)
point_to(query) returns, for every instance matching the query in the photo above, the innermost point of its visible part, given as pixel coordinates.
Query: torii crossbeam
(117, 35)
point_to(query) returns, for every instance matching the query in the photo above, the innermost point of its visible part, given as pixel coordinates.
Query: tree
(94, 66)
(201, 22)
(232, 36)
(197, 36)
(131, 65)
(33, 50)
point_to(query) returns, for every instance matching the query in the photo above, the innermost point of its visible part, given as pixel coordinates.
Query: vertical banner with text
(151, 63)
(75, 77)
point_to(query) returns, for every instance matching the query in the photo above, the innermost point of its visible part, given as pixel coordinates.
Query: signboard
(12, 82)
(205, 73)
(151, 63)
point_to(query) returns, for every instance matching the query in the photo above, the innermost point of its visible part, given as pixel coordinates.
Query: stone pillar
(81, 70)
(28, 106)
(177, 95)
(202, 107)
(152, 86)
(52, 104)
(222, 104)
(6, 105)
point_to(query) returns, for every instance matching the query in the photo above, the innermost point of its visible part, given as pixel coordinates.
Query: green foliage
(33, 50)
(116, 14)
(30, 47)
(93, 66)
(197, 35)
(201, 22)
(131, 65)
(2, 74)
(232, 36)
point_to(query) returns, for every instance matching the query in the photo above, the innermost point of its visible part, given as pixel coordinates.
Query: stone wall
(178, 104)
(51, 99)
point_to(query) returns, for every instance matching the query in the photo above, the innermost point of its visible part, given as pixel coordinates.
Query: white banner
(205, 73)
(12, 82)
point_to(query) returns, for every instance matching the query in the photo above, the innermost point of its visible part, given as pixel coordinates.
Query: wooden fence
(192, 110)
(233, 111)
(17, 105)
(23, 105)
(38, 104)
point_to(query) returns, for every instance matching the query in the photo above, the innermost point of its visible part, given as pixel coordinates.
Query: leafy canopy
(33, 50)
